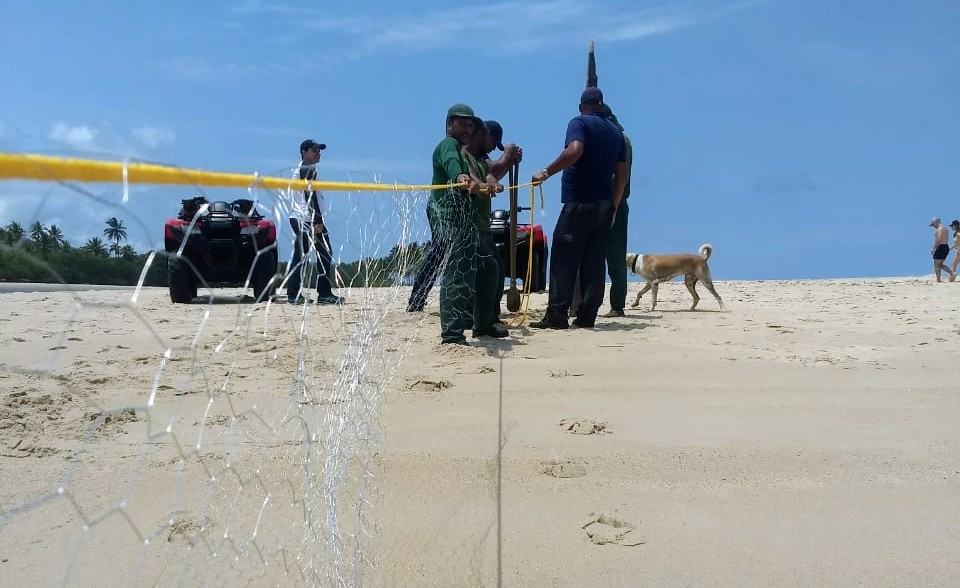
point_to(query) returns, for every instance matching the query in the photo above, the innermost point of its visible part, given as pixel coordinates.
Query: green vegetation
(377, 272)
(43, 254)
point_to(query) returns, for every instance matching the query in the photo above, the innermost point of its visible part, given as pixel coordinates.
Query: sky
(809, 139)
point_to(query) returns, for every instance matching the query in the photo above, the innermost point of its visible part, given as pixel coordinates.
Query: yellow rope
(27, 166)
(521, 317)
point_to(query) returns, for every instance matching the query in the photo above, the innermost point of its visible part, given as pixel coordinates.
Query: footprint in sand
(185, 529)
(607, 530)
(426, 385)
(562, 373)
(111, 421)
(563, 469)
(584, 426)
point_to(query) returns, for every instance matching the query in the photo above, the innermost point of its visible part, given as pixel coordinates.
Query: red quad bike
(526, 235)
(227, 243)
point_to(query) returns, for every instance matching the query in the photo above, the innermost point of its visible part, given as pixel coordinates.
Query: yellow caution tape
(28, 166)
(25, 166)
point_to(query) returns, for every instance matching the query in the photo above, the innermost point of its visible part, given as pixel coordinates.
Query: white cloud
(507, 27)
(90, 207)
(80, 137)
(641, 28)
(154, 137)
(200, 69)
(531, 26)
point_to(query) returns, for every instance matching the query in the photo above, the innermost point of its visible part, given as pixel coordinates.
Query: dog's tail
(706, 250)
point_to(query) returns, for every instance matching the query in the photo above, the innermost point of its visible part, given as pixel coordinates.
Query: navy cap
(311, 144)
(496, 131)
(591, 96)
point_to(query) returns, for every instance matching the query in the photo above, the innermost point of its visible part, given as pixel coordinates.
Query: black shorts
(941, 251)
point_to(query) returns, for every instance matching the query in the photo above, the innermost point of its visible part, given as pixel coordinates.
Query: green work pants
(617, 258)
(454, 216)
(489, 284)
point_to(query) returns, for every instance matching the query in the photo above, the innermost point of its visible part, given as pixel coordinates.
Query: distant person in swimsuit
(955, 225)
(940, 248)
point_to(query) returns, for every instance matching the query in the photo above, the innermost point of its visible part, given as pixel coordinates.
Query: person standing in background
(309, 230)
(617, 241)
(955, 225)
(940, 248)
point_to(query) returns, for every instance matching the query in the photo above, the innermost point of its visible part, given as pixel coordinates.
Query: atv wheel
(264, 285)
(178, 274)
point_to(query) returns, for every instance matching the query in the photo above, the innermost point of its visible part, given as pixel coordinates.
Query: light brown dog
(663, 268)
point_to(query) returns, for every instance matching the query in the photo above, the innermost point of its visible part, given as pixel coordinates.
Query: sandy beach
(808, 436)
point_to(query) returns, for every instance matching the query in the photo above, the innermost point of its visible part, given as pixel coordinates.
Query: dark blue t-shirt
(590, 179)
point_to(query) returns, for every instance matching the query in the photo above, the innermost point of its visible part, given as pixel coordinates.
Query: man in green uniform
(452, 210)
(486, 312)
(511, 154)
(617, 243)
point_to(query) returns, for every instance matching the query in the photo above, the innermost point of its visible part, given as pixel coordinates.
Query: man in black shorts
(941, 248)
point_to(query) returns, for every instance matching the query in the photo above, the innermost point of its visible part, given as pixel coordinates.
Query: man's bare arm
(569, 156)
(494, 187)
(512, 153)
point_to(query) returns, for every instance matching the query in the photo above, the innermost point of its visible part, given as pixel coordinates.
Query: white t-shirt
(299, 206)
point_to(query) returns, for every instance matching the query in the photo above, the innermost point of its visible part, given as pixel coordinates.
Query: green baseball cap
(461, 110)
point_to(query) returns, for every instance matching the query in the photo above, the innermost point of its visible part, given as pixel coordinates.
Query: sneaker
(297, 300)
(545, 324)
(614, 313)
(331, 299)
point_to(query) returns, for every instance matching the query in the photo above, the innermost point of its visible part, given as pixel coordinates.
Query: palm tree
(128, 253)
(40, 237)
(115, 232)
(56, 237)
(38, 231)
(13, 233)
(95, 246)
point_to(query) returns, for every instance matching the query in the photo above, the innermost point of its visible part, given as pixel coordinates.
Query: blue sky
(801, 139)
